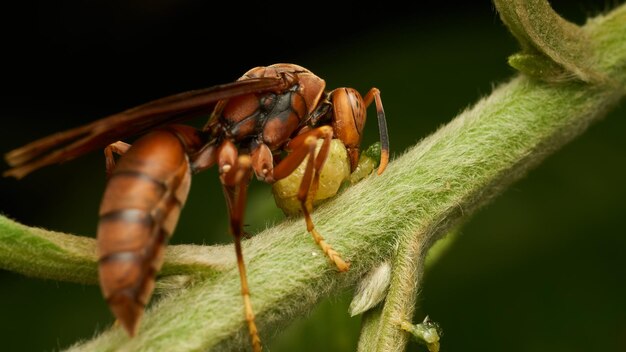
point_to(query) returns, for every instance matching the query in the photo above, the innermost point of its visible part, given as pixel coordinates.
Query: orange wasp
(266, 123)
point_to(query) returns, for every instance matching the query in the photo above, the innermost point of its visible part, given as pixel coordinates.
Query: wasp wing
(70, 144)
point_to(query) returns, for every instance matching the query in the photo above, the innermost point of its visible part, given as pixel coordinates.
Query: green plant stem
(380, 326)
(423, 193)
(54, 255)
(46, 254)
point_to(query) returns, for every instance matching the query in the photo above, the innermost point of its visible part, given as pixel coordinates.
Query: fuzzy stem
(45, 254)
(380, 330)
(425, 191)
(54, 255)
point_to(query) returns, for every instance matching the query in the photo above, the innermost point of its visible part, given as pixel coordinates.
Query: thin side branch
(54, 255)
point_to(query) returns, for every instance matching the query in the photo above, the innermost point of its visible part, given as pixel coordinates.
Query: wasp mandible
(266, 123)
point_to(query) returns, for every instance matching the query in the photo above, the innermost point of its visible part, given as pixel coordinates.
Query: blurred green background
(542, 268)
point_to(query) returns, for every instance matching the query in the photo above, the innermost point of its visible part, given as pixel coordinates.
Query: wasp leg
(118, 148)
(374, 94)
(235, 176)
(302, 146)
(204, 158)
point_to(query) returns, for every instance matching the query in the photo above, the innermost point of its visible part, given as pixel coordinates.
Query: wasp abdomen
(138, 214)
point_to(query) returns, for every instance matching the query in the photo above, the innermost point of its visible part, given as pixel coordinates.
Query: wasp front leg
(302, 146)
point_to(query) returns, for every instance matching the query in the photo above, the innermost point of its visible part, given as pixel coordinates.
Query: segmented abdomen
(138, 214)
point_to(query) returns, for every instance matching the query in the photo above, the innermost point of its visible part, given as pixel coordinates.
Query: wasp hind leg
(118, 148)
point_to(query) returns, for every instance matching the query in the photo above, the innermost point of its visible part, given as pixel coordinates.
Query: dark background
(543, 268)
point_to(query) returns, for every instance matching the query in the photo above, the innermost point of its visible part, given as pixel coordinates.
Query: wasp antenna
(384, 136)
